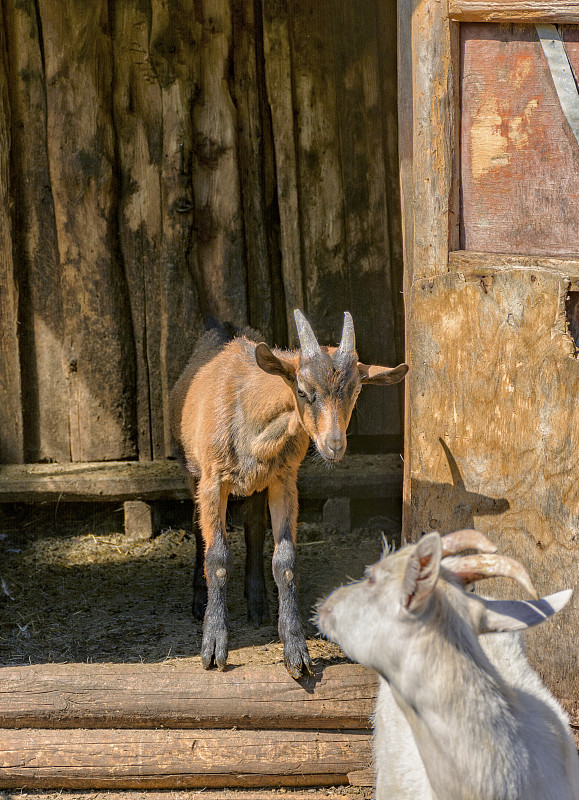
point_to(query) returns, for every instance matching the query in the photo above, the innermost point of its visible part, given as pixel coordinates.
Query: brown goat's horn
(472, 568)
(466, 539)
(308, 342)
(348, 342)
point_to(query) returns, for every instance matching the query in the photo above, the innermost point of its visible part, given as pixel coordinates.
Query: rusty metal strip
(562, 74)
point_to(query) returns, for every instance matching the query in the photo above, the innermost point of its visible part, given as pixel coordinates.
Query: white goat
(454, 720)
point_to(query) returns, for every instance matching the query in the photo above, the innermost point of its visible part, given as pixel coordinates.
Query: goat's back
(400, 772)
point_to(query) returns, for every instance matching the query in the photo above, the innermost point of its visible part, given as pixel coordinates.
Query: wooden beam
(356, 477)
(328, 793)
(561, 11)
(176, 696)
(157, 759)
(469, 262)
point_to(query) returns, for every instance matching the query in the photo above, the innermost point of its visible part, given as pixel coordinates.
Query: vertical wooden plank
(139, 132)
(248, 90)
(97, 331)
(44, 384)
(366, 209)
(216, 190)
(319, 174)
(434, 81)
(11, 443)
(279, 83)
(176, 321)
(405, 155)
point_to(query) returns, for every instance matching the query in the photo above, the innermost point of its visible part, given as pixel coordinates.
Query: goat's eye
(301, 393)
(369, 575)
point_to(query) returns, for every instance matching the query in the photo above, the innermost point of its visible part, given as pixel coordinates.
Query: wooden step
(176, 695)
(356, 476)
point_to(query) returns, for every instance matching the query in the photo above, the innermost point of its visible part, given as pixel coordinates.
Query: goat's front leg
(283, 507)
(212, 503)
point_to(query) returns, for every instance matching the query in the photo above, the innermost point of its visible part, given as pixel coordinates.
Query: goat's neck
(461, 711)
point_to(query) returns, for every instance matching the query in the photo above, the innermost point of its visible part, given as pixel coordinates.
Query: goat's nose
(336, 443)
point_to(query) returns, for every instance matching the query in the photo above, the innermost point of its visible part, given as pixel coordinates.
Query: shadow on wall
(447, 507)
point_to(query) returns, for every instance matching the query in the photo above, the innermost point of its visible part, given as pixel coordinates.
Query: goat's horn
(308, 342)
(472, 568)
(466, 539)
(348, 342)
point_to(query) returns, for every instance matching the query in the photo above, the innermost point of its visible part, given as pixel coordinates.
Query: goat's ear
(421, 572)
(515, 615)
(270, 363)
(370, 373)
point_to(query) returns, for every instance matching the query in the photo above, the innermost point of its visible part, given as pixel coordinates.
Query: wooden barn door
(489, 114)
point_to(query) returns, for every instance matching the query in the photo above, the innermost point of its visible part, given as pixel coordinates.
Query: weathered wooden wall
(161, 162)
(494, 373)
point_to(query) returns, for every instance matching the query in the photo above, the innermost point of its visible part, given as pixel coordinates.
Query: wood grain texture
(99, 759)
(44, 383)
(11, 435)
(180, 696)
(97, 332)
(278, 77)
(520, 161)
(435, 138)
(555, 11)
(495, 435)
(355, 476)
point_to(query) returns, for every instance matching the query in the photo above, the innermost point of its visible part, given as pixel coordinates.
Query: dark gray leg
(283, 508)
(212, 502)
(254, 524)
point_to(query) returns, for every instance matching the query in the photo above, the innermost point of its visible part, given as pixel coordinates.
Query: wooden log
(11, 436)
(97, 331)
(175, 696)
(102, 759)
(328, 793)
(44, 384)
(356, 477)
(514, 11)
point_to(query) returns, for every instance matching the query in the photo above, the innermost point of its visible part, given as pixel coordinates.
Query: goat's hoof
(214, 650)
(297, 661)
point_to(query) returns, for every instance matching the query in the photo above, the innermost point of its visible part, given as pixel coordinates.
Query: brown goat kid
(243, 415)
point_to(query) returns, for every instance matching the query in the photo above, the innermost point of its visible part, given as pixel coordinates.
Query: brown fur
(243, 416)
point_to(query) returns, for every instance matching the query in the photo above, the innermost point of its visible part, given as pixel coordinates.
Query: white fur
(459, 716)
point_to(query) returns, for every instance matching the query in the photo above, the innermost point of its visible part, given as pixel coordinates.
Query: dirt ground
(73, 588)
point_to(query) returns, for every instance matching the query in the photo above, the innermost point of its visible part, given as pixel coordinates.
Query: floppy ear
(382, 376)
(515, 615)
(273, 365)
(421, 572)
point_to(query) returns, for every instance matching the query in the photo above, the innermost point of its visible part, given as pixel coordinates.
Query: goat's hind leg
(199, 582)
(212, 501)
(255, 524)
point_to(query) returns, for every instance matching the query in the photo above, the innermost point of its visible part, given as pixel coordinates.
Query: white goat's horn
(308, 342)
(472, 568)
(348, 341)
(466, 539)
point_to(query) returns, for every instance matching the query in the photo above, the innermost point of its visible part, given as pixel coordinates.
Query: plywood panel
(520, 161)
(495, 434)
